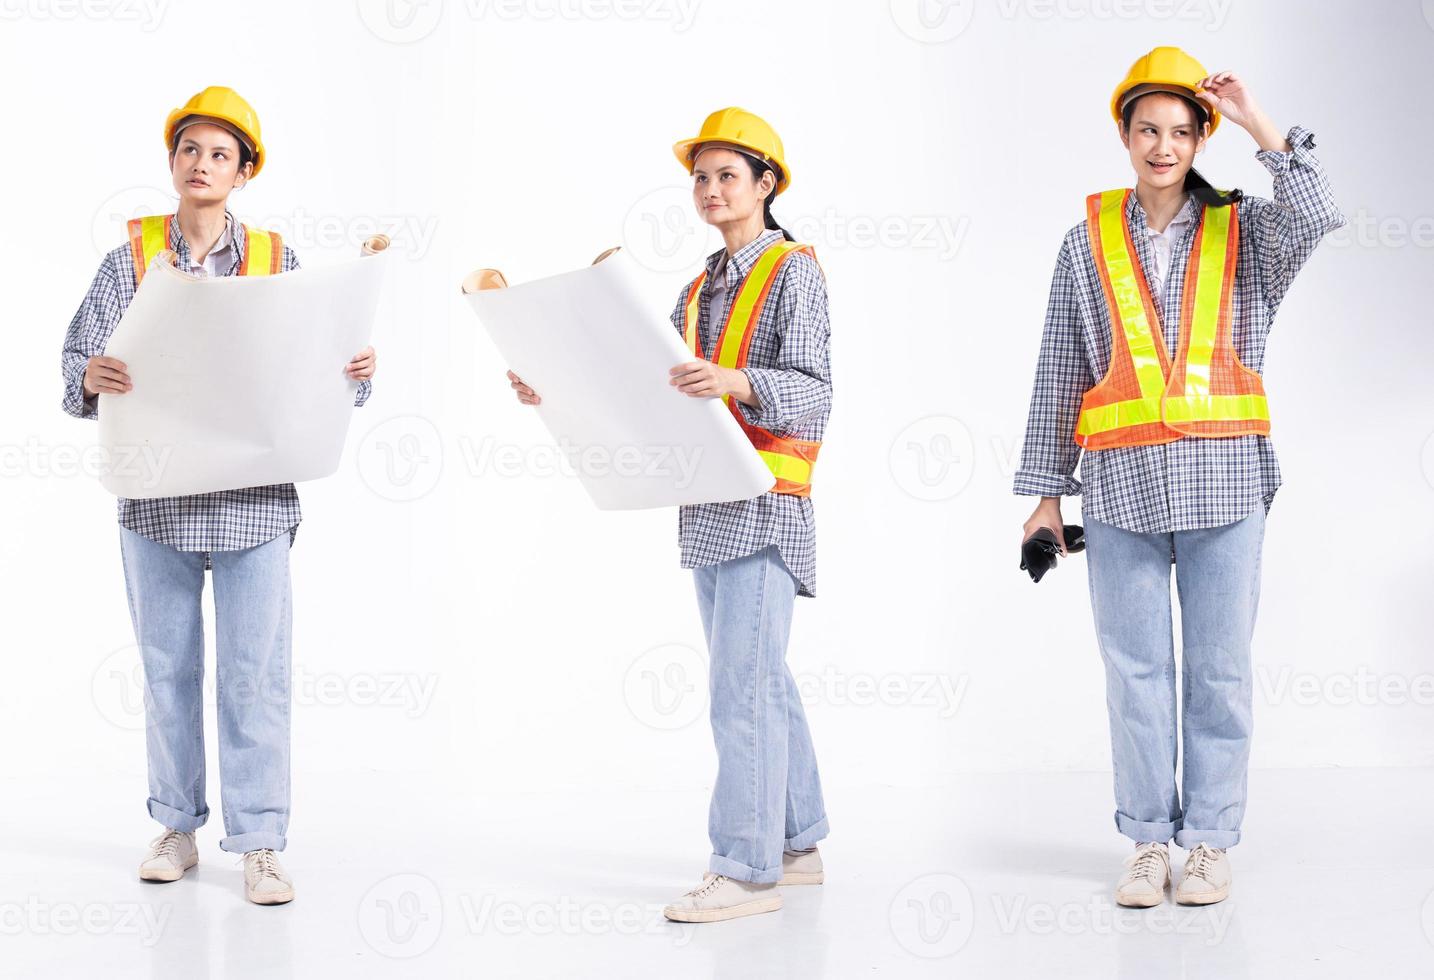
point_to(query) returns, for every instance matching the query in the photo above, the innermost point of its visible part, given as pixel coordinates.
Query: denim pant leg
(165, 588)
(1130, 597)
(806, 817)
(253, 627)
(1218, 574)
(767, 793)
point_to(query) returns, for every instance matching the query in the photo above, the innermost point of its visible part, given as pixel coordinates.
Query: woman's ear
(245, 172)
(766, 184)
(1123, 133)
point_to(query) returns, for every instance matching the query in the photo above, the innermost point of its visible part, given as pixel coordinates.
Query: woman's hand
(106, 375)
(1225, 93)
(362, 365)
(1046, 514)
(526, 395)
(703, 379)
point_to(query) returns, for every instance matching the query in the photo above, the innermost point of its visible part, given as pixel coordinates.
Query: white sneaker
(1143, 886)
(170, 855)
(1207, 876)
(801, 868)
(265, 882)
(720, 897)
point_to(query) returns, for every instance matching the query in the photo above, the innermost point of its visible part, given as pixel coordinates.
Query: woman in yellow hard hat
(1150, 361)
(755, 319)
(244, 535)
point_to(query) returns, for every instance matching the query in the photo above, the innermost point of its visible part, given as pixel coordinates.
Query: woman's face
(1163, 139)
(205, 164)
(723, 188)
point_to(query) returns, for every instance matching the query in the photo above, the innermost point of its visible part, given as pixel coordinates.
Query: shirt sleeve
(88, 333)
(1050, 452)
(1287, 229)
(799, 388)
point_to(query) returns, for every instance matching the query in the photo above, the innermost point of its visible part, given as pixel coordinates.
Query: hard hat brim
(683, 150)
(1173, 86)
(172, 128)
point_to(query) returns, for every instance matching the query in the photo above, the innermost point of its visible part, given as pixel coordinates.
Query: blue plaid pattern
(789, 369)
(224, 521)
(1192, 482)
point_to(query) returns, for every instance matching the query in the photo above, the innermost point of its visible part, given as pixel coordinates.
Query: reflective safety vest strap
(1207, 392)
(1128, 294)
(790, 460)
(263, 252)
(148, 236)
(736, 334)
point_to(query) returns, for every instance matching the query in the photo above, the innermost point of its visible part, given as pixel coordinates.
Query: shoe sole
(167, 875)
(1140, 903)
(276, 898)
(1204, 898)
(802, 878)
(719, 915)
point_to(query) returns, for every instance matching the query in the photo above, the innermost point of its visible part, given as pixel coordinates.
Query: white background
(466, 626)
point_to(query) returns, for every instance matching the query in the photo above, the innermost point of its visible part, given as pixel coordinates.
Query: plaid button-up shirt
(224, 521)
(1192, 482)
(789, 369)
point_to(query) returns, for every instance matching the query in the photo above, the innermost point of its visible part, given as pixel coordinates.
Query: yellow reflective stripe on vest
(154, 237)
(739, 320)
(690, 325)
(784, 467)
(1216, 408)
(1189, 408)
(1125, 288)
(1118, 415)
(1209, 291)
(259, 254)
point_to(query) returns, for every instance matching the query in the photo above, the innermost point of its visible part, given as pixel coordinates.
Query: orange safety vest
(1142, 401)
(790, 460)
(263, 250)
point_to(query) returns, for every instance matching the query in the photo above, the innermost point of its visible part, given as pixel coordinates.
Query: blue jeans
(767, 796)
(1217, 571)
(253, 626)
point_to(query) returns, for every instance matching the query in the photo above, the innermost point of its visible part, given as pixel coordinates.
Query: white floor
(997, 876)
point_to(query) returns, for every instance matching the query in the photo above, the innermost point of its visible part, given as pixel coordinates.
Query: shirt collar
(229, 238)
(740, 264)
(1135, 214)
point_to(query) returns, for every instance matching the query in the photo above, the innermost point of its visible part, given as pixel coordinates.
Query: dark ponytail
(1195, 184)
(758, 169)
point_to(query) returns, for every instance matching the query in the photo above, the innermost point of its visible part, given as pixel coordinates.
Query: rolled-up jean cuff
(720, 865)
(809, 837)
(1189, 839)
(243, 843)
(1141, 832)
(176, 819)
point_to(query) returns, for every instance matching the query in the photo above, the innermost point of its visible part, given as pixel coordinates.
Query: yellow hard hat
(223, 106)
(739, 128)
(1164, 69)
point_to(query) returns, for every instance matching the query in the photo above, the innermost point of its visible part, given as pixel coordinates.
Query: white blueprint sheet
(238, 381)
(596, 345)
